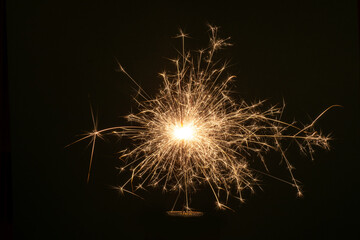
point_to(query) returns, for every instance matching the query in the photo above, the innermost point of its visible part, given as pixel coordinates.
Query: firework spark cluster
(193, 133)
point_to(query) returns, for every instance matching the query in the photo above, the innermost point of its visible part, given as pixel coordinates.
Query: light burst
(193, 133)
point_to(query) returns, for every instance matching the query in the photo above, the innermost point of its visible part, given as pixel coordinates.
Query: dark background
(61, 54)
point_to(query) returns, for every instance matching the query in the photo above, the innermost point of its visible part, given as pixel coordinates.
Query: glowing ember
(183, 132)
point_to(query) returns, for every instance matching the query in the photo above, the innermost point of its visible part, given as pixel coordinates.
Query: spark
(193, 134)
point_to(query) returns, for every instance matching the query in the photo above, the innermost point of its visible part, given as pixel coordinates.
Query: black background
(62, 53)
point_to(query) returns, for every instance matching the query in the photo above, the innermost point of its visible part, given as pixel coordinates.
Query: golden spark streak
(193, 133)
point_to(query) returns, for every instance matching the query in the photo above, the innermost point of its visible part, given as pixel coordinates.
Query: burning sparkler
(193, 133)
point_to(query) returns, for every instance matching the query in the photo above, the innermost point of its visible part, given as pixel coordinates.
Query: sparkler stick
(193, 133)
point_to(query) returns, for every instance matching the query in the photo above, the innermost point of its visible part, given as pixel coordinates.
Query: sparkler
(193, 133)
